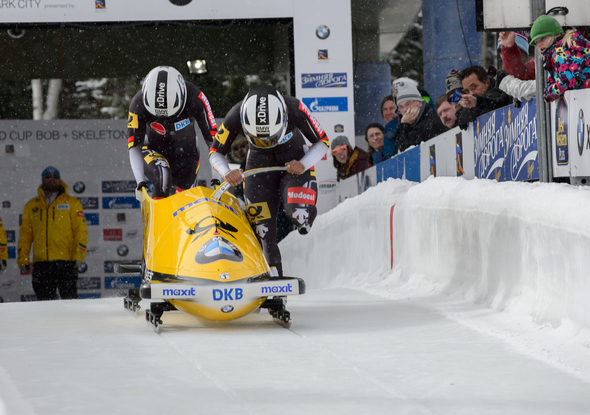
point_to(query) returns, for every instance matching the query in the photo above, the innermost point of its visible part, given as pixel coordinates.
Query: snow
(482, 311)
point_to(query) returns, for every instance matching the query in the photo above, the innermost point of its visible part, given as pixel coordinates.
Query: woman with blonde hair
(565, 56)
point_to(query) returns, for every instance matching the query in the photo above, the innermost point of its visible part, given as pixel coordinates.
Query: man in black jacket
(480, 97)
(419, 122)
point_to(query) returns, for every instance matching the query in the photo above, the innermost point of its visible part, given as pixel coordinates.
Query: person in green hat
(566, 56)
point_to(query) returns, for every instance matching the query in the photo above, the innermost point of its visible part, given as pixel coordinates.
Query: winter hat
(407, 92)
(521, 40)
(452, 82)
(49, 170)
(545, 26)
(339, 141)
(400, 81)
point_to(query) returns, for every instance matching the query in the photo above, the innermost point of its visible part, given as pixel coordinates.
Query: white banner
(579, 131)
(449, 154)
(63, 11)
(92, 158)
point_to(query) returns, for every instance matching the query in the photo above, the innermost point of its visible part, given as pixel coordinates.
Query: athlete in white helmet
(276, 127)
(162, 139)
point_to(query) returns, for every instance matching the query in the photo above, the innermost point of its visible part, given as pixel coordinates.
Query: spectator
(381, 147)
(519, 89)
(3, 248)
(54, 223)
(239, 151)
(565, 56)
(347, 161)
(481, 95)
(446, 111)
(389, 114)
(425, 95)
(452, 84)
(419, 122)
(514, 48)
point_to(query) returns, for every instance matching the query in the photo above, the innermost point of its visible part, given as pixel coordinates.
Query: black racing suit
(264, 192)
(169, 147)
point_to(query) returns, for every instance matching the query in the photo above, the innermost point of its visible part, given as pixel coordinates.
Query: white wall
(515, 247)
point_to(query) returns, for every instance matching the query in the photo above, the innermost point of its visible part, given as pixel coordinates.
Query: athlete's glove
(138, 192)
(77, 264)
(3, 265)
(25, 269)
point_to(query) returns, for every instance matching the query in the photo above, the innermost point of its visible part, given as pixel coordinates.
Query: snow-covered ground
(468, 297)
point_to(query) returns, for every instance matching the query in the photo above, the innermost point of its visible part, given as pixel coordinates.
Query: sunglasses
(51, 176)
(339, 149)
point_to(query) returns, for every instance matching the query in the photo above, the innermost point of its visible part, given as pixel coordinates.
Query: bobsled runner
(201, 256)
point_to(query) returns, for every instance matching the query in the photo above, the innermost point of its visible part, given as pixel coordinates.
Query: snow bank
(515, 247)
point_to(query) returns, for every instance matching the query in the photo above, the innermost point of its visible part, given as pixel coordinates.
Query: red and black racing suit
(167, 147)
(264, 192)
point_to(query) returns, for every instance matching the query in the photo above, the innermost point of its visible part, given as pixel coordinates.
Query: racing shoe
(304, 230)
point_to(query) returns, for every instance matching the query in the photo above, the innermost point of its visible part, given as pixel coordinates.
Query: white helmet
(164, 92)
(264, 116)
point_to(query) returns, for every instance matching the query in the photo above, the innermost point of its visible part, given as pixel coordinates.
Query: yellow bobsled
(201, 256)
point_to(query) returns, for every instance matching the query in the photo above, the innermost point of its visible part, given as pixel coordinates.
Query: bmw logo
(227, 308)
(82, 268)
(581, 132)
(122, 250)
(79, 187)
(180, 2)
(322, 32)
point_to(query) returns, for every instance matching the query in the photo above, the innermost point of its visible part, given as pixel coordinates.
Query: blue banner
(324, 80)
(402, 166)
(89, 283)
(120, 283)
(119, 186)
(92, 219)
(505, 144)
(123, 202)
(89, 202)
(329, 104)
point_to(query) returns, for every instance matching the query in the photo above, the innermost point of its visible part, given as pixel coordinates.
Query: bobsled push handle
(225, 185)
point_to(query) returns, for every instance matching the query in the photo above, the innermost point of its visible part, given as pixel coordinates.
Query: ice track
(347, 352)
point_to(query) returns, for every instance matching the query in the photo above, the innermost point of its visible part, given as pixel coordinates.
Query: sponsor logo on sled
(277, 289)
(179, 292)
(228, 294)
(216, 249)
(227, 308)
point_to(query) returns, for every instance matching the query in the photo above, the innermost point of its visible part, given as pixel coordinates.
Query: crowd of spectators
(410, 117)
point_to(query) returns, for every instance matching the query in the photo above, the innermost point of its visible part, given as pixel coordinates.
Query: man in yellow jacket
(54, 223)
(3, 248)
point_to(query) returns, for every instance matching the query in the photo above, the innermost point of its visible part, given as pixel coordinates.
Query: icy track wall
(516, 247)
